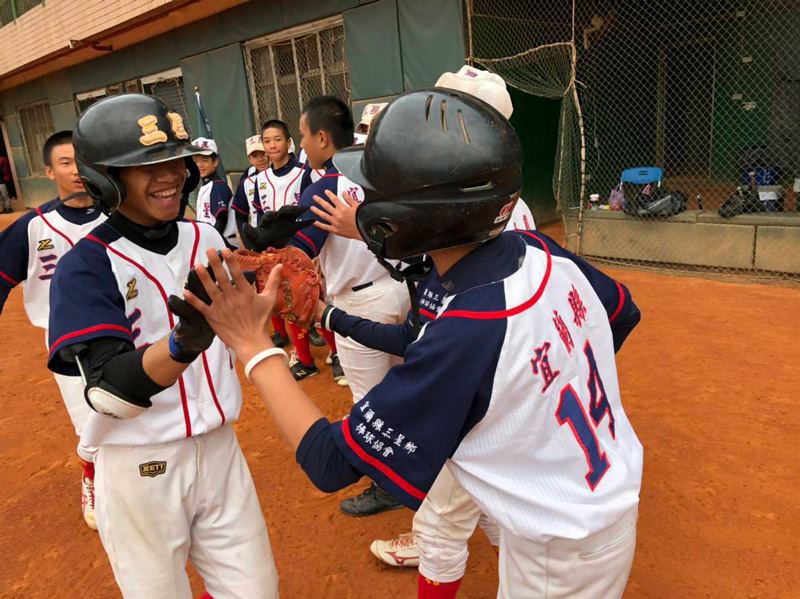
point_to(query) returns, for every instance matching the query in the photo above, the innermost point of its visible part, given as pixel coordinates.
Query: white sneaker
(293, 359)
(87, 502)
(342, 382)
(399, 552)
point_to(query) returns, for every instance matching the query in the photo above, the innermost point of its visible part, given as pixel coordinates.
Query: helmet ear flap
(103, 187)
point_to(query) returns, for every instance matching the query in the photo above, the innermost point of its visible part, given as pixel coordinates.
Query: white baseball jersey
(108, 286)
(31, 248)
(280, 187)
(346, 263)
(513, 384)
(213, 199)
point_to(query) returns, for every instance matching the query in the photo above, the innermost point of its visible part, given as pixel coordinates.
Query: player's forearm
(290, 408)
(389, 338)
(159, 365)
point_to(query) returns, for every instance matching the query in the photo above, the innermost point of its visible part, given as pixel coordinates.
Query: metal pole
(321, 69)
(297, 75)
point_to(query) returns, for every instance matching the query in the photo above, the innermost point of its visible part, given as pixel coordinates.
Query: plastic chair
(642, 175)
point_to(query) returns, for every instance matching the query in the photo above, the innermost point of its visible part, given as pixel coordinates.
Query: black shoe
(315, 338)
(338, 371)
(373, 500)
(279, 340)
(302, 371)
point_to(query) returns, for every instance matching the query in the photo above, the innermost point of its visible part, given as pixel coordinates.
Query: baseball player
(171, 480)
(512, 383)
(281, 185)
(30, 249)
(354, 280)
(245, 206)
(214, 196)
(441, 529)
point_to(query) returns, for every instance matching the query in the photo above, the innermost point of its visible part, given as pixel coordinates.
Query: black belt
(361, 287)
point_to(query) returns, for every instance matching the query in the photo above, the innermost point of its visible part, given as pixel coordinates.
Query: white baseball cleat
(87, 501)
(400, 552)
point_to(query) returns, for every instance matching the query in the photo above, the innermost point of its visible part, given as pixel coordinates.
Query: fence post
(14, 9)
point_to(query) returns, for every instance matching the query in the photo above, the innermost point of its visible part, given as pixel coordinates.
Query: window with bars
(287, 69)
(11, 9)
(36, 125)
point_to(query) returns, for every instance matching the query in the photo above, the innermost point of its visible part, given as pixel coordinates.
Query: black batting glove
(276, 229)
(193, 335)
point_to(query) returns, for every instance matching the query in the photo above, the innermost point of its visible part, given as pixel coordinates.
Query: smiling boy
(171, 482)
(30, 249)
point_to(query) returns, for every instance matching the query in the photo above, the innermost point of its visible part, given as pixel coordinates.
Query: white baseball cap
(254, 144)
(209, 145)
(484, 85)
(370, 112)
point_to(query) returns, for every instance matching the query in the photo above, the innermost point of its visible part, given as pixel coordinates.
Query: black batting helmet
(440, 169)
(128, 130)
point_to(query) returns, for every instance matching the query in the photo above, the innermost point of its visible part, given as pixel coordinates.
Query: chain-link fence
(679, 140)
(287, 70)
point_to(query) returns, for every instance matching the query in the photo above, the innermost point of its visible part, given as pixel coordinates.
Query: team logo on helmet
(177, 125)
(505, 212)
(151, 133)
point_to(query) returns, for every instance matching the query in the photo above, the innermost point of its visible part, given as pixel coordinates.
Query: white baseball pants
(593, 568)
(71, 388)
(201, 505)
(385, 301)
(443, 526)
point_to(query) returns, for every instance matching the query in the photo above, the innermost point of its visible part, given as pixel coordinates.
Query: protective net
(679, 138)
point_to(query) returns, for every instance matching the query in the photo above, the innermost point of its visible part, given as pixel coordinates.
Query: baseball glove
(299, 289)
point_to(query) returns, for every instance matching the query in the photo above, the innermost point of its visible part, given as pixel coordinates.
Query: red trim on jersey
(170, 318)
(94, 329)
(196, 244)
(424, 312)
(274, 193)
(285, 193)
(308, 240)
(47, 222)
(211, 387)
(621, 303)
(7, 278)
(375, 463)
(518, 309)
(331, 175)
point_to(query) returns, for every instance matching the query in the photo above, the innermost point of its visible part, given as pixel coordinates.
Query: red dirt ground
(709, 380)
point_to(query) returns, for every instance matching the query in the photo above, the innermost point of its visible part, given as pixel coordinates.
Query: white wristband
(261, 356)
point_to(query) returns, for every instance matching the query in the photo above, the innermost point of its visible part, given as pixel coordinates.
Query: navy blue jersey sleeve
(404, 430)
(85, 304)
(239, 204)
(623, 314)
(324, 465)
(311, 239)
(220, 197)
(389, 338)
(14, 244)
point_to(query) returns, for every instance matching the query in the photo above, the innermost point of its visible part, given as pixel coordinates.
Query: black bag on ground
(659, 202)
(744, 201)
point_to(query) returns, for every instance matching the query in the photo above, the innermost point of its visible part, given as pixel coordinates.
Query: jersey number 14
(570, 411)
